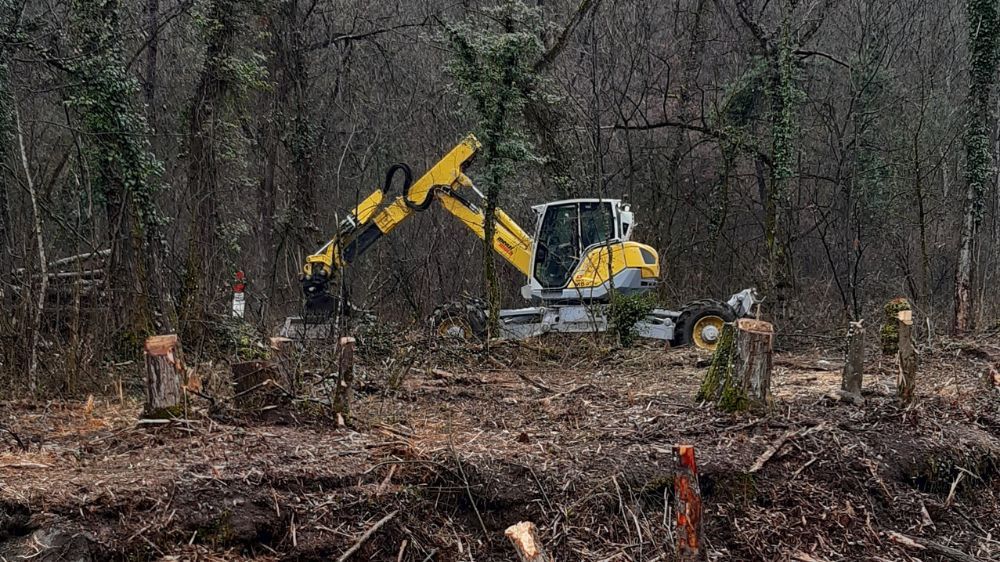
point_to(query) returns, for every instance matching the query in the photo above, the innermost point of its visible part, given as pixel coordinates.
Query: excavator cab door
(565, 231)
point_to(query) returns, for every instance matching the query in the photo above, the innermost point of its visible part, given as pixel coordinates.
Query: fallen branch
(368, 534)
(573, 390)
(772, 450)
(932, 547)
(532, 382)
(25, 465)
(780, 442)
(15, 436)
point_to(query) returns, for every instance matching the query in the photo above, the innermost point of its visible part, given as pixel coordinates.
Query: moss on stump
(890, 325)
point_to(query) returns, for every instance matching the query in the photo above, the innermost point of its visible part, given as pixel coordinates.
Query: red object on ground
(687, 496)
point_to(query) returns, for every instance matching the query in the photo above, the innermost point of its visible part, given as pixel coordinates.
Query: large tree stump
(854, 361)
(524, 537)
(164, 377)
(345, 380)
(907, 381)
(688, 507)
(252, 387)
(890, 331)
(740, 375)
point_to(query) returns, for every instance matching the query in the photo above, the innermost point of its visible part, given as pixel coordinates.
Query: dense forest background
(833, 153)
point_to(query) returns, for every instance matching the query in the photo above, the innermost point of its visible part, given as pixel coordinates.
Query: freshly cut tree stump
(739, 378)
(345, 379)
(890, 330)
(252, 384)
(524, 537)
(164, 377)
(854, 363)
(688, 506)
(906, 385)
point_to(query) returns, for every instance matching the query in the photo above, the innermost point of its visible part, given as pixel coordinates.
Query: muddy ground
(572, 436)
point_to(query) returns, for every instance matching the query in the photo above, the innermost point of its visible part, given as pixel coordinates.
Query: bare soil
(562, 432)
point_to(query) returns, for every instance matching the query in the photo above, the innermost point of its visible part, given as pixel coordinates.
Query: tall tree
(122, 167)
(984, 36)
(227, 75)
(493, 63)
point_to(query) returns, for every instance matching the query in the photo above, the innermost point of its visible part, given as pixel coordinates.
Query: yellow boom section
(374, 217)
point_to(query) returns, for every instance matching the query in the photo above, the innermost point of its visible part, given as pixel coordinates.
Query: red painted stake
(687, 505)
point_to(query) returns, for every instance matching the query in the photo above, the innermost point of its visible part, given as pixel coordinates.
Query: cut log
(906, 384)
(854, 362)
(524, 537)
(164, 377)
(890, 332)
(688, 506)
(345, 379)
(740, 375)
(252, 384)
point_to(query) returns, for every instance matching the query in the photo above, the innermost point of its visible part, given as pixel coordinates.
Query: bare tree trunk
(345, 380)
(855, 360)
(42, 261)
(153, 40)
(963, 275)
(206, 133)
(907, 383)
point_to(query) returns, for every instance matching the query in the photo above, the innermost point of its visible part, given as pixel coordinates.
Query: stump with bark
(345, 380)
(252, 384)
(907, 382)
(890, 332)
(854, 362)
(740, 375)
(164, 377)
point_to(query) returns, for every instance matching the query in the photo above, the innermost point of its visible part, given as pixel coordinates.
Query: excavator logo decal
(506, 247)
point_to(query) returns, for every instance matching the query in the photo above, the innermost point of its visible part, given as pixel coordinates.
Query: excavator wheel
(700, 324)
(459, 320)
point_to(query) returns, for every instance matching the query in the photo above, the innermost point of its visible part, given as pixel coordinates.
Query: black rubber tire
(473, 312)
(694, 311)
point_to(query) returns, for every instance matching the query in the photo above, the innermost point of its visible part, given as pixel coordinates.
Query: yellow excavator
(580, 253)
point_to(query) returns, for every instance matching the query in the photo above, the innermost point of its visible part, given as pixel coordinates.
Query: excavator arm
(379, 214)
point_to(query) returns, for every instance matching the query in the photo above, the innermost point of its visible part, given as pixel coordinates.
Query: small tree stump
(688, 506)
(251, 382)
(524, 537)
(854, 362)
(890, 331)
(164, 377)
(345, 379)
(907, 381)
(740, 375)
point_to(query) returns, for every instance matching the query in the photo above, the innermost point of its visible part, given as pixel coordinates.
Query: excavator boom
(378, 214)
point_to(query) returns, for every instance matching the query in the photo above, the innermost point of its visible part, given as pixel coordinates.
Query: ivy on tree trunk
(984, 33)
(493, 63)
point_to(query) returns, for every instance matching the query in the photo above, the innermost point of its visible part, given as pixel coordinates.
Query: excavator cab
(582, 249)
